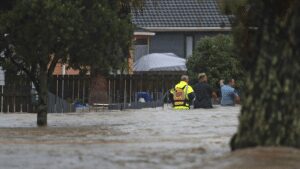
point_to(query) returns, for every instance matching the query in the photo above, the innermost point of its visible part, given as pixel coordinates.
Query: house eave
(188, 29)
(144, 33)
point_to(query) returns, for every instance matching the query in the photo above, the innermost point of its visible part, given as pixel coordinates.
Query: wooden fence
(124, 88)
(16, 98)
(71, 88)
(121, 88)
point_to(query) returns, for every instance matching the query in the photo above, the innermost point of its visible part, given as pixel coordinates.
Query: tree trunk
(98, 88)
(42, 107)
(271, 107)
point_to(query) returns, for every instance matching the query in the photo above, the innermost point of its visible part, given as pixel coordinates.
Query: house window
(141, 48)
(141, 41)
(189, 45)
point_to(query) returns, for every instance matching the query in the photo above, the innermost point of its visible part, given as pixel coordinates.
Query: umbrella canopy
(160, 62)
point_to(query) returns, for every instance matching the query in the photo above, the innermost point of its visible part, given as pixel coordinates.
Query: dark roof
(139, 29)
(180, 13)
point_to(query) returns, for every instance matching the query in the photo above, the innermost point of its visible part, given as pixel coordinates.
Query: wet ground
(138, 139)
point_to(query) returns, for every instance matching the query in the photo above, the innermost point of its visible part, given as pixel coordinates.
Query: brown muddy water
(138, 139)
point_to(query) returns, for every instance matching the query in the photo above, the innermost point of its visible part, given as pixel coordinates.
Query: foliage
(231, 6)
(104, 36)
(267, 36)
(216, 57)
(37, 34)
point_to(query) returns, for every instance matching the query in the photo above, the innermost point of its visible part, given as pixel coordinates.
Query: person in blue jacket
(229, 95)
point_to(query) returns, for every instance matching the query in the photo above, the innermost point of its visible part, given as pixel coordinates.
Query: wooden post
(83, 91)
(125, 91)
(78, 97)
(8, 107)
(28, 108)
(14, 104)
(67, 95)
(162, 84)
(62, 86)
(56, 85)
(130, 88)
(109, 93)
(114, 88)
(141, 82)
(73, 88)
(2, 97)
(120, 92)
(136, 88)
(62, 91)
(55, 101)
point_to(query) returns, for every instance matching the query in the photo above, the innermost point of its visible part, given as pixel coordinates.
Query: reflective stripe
(182, 108)
(186, 92)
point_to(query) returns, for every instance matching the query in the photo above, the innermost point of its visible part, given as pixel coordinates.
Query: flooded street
(149, 138)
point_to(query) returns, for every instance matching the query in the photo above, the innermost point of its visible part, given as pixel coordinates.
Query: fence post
(62, 92)
(14, 102)
(141, 82)
(83, 91)
(114, 89)
(109, 100)
(73, 88)
(2, 97)
(62, 86)
(120, 92)
(78, 94)
(55, 100)
(125, 91)
(130, 88)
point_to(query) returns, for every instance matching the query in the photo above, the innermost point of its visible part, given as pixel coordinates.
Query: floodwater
(136, 139)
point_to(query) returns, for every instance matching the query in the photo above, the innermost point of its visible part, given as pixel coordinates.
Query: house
(172, 26)
(176, 25)
(62, 69)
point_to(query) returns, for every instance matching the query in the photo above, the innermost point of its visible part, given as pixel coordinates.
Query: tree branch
(29, 73)
(53, 62)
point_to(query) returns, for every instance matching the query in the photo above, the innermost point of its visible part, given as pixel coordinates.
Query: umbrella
(160, 62)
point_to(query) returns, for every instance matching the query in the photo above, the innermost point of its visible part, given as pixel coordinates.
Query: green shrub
(215, 56)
